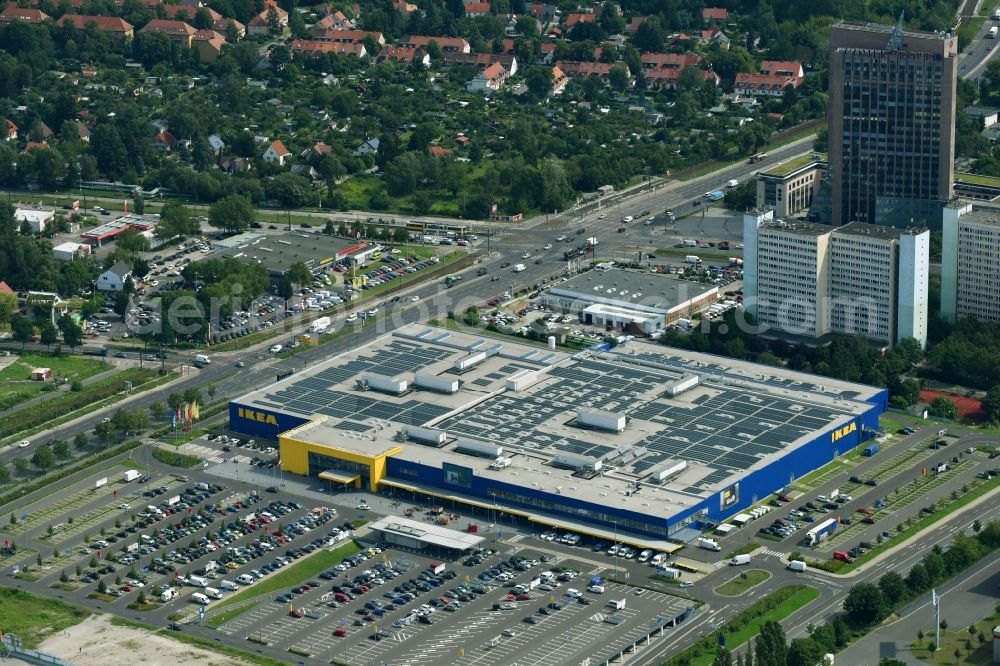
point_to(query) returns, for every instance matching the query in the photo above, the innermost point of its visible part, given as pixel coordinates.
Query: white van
(228, 585)
(199, 598)
(213, 593)
(658, 559)
(617, 604)
(739, 560)
(245, 579)
(596, 589)
(645, 555)
(573, 593)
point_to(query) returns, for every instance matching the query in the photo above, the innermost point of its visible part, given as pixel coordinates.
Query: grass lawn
(72, 368)
(229, 614)
(302, 570)
(980, 654)
(36, 618)
(737, 585)
(175, 459)
(186, 437)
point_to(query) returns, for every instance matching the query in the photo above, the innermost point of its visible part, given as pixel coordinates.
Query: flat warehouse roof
(632, 288)
(279, 252)
(434, 535)
(521, 402)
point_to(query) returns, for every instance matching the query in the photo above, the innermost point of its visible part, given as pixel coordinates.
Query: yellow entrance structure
(305, 451)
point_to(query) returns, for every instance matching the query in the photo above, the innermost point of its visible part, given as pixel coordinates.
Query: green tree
(232, 214)
(865, 605)
(71, 332)
(618, 77)
(804, 652)
(138, 205)
(8, 306)
(770, 647)
(893, 587)
(43, 458)
(299, 274)
(61, 449)
(49, 334)
(22, 465)
(22, 329)
(4, 473)
(81, 440)
(285, 289)
(991, 404)
(943, 407)
(723, 657)
(539, 81)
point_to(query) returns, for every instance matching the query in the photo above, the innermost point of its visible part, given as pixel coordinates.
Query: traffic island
(742, 583)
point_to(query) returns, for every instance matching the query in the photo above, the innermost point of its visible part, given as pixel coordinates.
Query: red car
(125, 588)
(865, 510)
(868, 521)
(340, 632)
(523, 597)
(369, 618)
(306, 586)
(295, 612)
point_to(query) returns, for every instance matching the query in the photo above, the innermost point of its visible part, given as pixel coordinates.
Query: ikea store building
(642, 443)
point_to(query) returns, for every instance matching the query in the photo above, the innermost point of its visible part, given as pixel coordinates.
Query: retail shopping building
(642, 443)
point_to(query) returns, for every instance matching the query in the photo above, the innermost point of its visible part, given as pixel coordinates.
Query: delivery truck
(518, 268)
(168, 594)
(797, 565)
(668, 572)
(320, 325)
(821, 531)
(213, 593)
(131, 475)
(709, 544)
(739, 560)
(993, 32)
(200, 360)
(692, 259)
(197, 581)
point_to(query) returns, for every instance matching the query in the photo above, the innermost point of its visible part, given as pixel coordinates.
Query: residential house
(119, 29)
(447, 44)
(791, 68)
(664, 69)
(548, 52)
(209, 45)
(220, 23)
(82, 131)
(10, 133)
(438, 151)
(634, 23)
(25, 14)
(714, 14)
(34, 145)
(260, 25)
(572, 19)
(766, 85)
(5, 288)
(336, 21)
(543, 11)
(585, 70)
(369, 147)
(179, 32)
(231, 165)
(348, 36)
(404, 7)
(474, 9)
(405, 55)
(114, 278)
(488, 80)
(216, 143)
(482, 60)
(559, 80)
(276, 153)
(305, 170)
(318, 150)
(311, 47)
(714, 35)
(165, 141)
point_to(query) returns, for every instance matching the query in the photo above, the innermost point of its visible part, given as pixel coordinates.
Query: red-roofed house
(120, 29)
(35, 145)
(82, 131)
(405, 55)
(5, 288)
(219, 22)
(584, 70)
(782, 68)
(662, 70)
(507, 46)
(767, 85)
(489, 80)
(26, 14)
(336, 21)
(477, 8)
(482, 60)
(209, 44)
(320, 149)
(633, 25)
(259, 24)
(438, 151)
(559, 80)
(403, 7)
(179, 32)
(719, 14)
(311, 47)
(447, 44)
(165, 141)
(10, 132)
(348, 36)
(573, 19)
(276, 153)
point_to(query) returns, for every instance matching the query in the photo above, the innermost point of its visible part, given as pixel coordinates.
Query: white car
(414, 298)
(561, 238)
(275, 349)
(687, 583)
(548, 246)
(124, 507)
(603, 216)
(526, 255)
(352, 317)
(627, 218)
(509, 633)
(24, 444)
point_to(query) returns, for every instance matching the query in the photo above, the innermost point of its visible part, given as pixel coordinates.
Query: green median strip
(290, 576)
(746, 624)
(227, 615)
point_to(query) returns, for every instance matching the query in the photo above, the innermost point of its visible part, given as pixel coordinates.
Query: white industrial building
(37, 219)
(811, 280)
(630, 301)
(70, 251)
(970, 262)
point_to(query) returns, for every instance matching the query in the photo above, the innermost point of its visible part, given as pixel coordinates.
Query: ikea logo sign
(843, 432)
(259, 417)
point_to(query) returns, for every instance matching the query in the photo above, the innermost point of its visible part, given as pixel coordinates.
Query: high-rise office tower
(970, 262)
(891, 123)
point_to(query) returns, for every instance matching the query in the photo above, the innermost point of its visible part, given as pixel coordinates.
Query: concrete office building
(811, 280)
(641, 443)
(891, 123)
(970, 262)
(789, 188)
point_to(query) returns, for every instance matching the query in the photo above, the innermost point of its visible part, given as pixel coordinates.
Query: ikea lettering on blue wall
(843, 432)
(260, 417)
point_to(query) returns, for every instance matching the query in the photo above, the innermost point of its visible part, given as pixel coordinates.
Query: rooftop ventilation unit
(463, 364)
(599, 419)
(425, 435)
(436, 384)
(477, 448)
(577, 463)
(673, 468)
(522, 380)
(383, 384)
